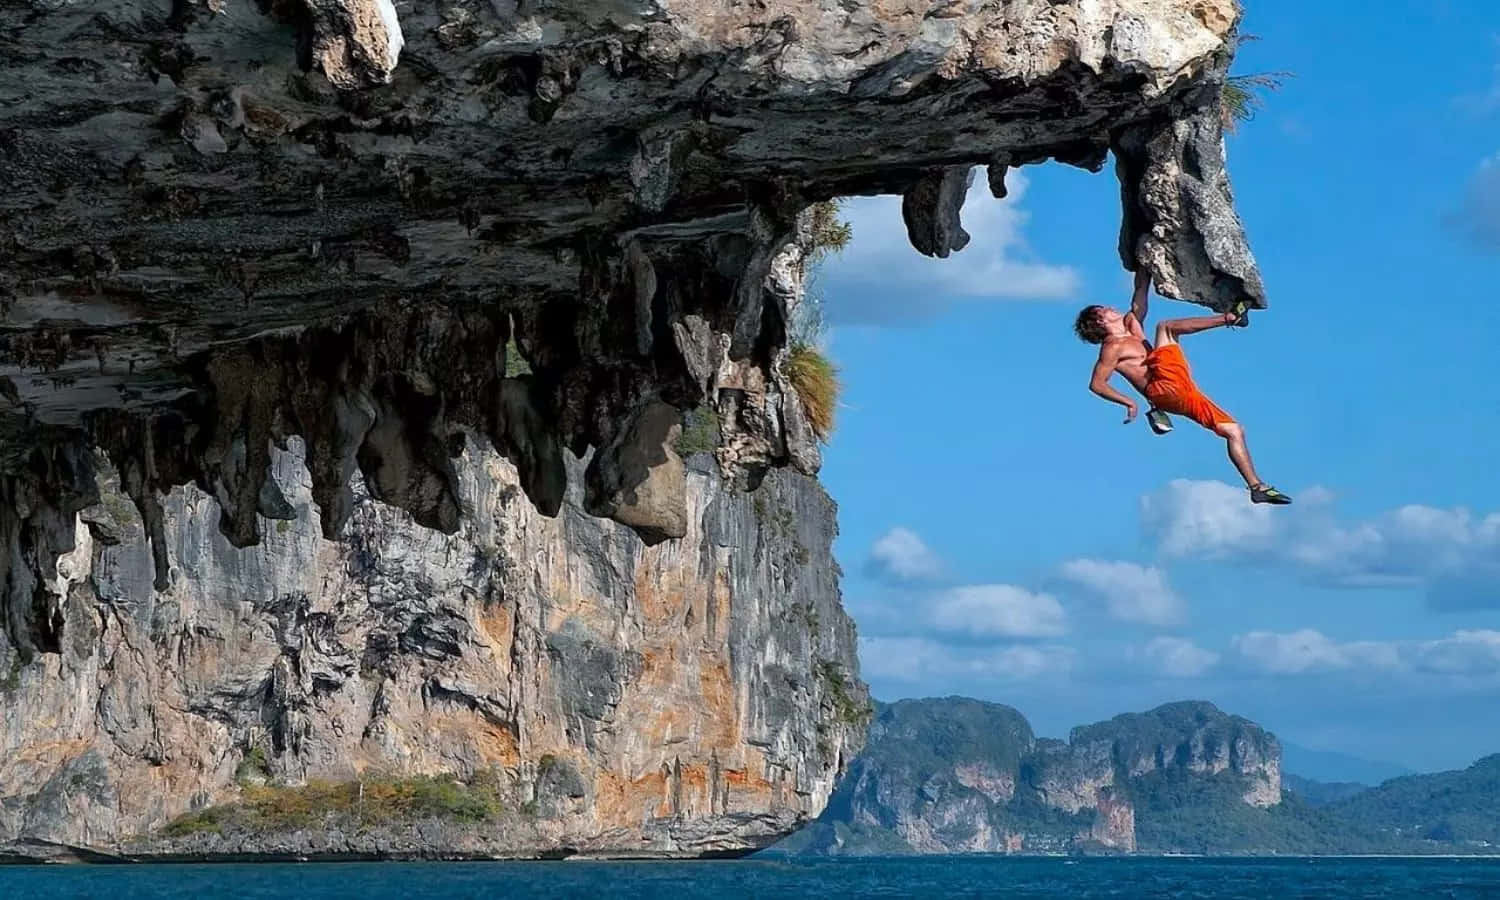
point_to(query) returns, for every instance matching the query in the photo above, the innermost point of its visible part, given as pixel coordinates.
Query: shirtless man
(1162, 376)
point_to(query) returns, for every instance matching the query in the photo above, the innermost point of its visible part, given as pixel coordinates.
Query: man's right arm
(1139, 301)
(1099, 384)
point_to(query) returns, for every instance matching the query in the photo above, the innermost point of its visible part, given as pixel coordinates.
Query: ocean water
(944, 877)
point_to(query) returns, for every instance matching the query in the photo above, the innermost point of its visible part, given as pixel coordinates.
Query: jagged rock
(355, 42)
(931, 209)
(639, 480)
(635, 700)
(1180, 220)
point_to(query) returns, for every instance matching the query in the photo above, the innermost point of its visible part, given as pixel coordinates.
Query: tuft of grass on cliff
(809, 369)
(828, 232)
(816, 381)
(368, 802)
(1239, 99)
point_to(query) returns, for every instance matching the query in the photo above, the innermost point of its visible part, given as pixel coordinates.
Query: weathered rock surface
(229, 224)
(698, 696)
(959, 776)
(327, 217)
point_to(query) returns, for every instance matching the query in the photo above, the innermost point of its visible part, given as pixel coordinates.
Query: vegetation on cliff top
(1140, 734)
(367, 802)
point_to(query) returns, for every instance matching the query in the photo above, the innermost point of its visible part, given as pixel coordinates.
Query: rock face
(388, 233)
(698, 696)
(959, 775)
(226, 222)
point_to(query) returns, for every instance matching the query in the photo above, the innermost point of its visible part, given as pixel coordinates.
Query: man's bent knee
(1230, 430)
(1165, 335)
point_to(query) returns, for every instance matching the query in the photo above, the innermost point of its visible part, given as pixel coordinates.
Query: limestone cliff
(392, 233)
(223, 222)
(697, 696)
(960, 776)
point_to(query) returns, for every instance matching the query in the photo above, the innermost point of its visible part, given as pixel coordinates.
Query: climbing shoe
(1158, 421)
(1264, 493)
(1241, 313)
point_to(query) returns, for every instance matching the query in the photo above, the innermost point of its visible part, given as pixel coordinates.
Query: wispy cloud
(1310, 651)
(1130, 592)
(900, 555)
(914, 660)
(1463, 653)
(1206, 519)
(922, 605)
(1178, 657)
(881, 279)
(1453, 554)
(997, 611)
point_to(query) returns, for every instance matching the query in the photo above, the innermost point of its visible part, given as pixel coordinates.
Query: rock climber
(1162, 376)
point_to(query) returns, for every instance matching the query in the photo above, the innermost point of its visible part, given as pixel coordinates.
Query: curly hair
(1088, 327)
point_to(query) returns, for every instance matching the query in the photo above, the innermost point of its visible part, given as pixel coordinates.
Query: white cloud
(1452, 553)
(1310, 651)
(1463, 653)
(1132, 593)
(997, 610)
(915, 660)
(880, 278)
(1206, 519)
(901, 555)
(1026, 661)
(1179, 658)
(1403, 546)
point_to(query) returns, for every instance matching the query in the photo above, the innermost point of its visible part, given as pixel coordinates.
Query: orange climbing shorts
(1170, 388)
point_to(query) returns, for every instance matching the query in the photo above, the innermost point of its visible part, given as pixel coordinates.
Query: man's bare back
(1161, 374)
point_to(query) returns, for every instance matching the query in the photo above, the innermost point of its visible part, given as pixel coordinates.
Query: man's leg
(1239, 452)
(1168, 331)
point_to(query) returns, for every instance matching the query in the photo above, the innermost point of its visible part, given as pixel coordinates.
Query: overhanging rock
(225, 223)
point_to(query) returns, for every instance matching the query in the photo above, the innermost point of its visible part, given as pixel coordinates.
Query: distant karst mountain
(956, 775)
(959, 775)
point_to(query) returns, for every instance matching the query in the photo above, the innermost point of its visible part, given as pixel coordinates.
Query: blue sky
(1006, 537)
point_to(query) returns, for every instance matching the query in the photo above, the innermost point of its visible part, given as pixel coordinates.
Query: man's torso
(1130, 359)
